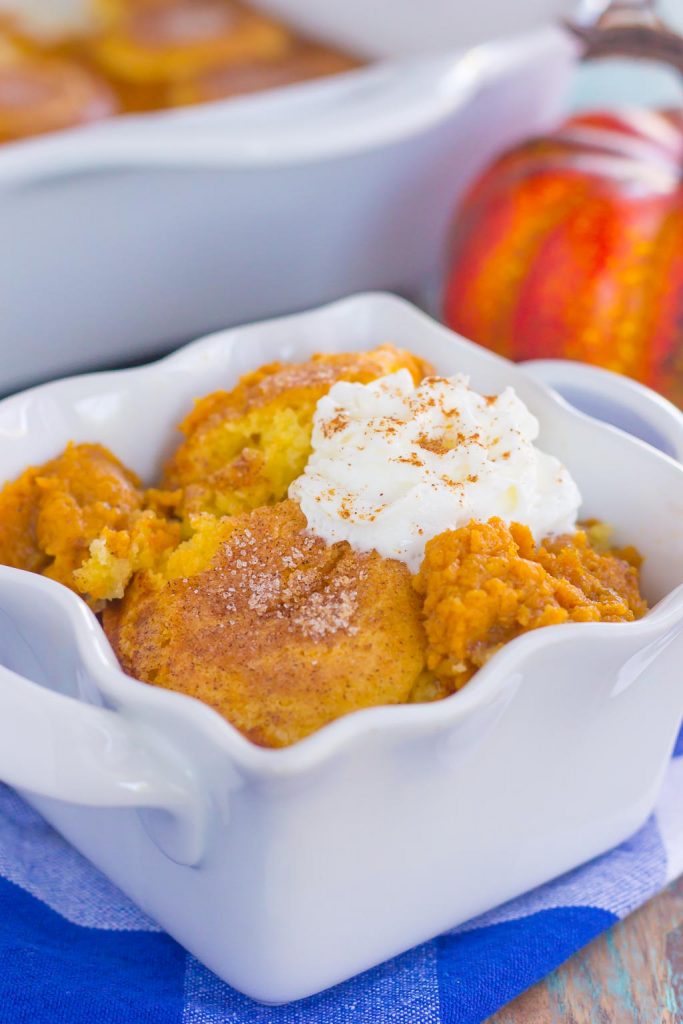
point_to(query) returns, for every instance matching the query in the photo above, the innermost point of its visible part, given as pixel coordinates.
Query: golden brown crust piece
(487, 583)
(276, 631)
(244, 447)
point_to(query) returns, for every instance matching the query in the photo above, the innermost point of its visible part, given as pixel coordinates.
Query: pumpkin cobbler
(71, 64)
(330, 535)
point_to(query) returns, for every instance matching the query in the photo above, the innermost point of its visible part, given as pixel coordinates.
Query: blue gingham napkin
(75, 950)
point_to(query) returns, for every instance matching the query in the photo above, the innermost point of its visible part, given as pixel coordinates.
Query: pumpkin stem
(630, 28)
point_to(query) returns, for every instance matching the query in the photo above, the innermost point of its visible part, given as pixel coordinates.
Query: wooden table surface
(633, 974)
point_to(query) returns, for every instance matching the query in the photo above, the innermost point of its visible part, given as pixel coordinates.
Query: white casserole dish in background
(391, 28)
(286, 871)
(126, 238)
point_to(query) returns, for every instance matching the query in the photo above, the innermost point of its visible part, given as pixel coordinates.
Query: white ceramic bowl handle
(614, 399)
(60, 747)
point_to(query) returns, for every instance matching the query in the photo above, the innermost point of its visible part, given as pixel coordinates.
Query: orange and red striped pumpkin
(572, 246)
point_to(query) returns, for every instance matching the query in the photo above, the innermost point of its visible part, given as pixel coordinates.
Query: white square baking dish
(286, 871)
(128, 237)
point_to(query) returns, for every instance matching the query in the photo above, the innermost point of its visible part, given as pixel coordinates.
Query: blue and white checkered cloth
(75, 950)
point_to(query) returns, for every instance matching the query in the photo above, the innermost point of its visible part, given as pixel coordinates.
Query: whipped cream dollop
(394, 464)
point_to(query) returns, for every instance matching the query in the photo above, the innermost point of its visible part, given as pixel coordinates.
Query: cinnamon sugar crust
(277, 631)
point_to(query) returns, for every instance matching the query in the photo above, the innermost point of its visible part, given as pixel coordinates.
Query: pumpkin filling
(487, 583)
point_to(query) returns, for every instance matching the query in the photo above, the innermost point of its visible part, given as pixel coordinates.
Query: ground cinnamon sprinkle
(325, 613)
(437, 445)
(410, 460)
(335, 425)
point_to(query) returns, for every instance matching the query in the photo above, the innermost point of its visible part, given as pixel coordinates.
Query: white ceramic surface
(385, 28)
(286, 871)
(388, 28)
(126, 238)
